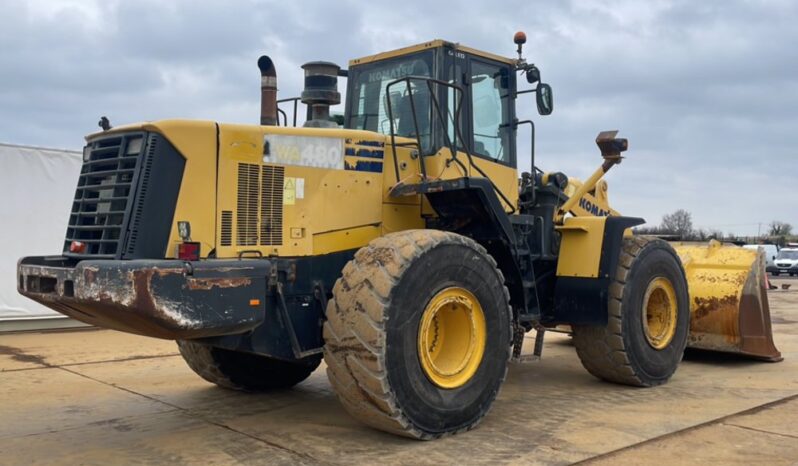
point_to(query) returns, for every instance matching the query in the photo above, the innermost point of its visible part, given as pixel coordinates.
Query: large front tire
(649, 318)
(244, 371)
(418, 334)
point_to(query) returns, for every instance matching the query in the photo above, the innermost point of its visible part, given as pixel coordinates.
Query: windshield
(369, 103)
(791, 255)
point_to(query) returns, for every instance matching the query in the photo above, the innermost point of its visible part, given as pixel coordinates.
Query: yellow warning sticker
(289, 191)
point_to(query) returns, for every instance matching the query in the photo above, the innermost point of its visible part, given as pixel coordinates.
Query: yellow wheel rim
(451, 337)
(659, 313)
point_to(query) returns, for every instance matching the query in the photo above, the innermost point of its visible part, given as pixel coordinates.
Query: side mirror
(545, 99)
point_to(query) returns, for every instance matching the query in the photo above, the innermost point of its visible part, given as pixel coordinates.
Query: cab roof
(430, 45)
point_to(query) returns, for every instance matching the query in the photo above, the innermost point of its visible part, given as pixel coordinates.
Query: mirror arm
(526, 91)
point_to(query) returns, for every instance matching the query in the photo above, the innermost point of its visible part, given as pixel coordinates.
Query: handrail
(285, 116)
(531, 124)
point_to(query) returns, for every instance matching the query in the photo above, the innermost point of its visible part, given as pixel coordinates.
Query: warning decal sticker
(289, 191)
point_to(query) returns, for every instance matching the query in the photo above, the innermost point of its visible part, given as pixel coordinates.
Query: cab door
(490, 112)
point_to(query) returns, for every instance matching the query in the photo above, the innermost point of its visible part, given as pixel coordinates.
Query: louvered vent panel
(144, 185)
(271, 206)
(247, 205)
(104, 195)
(227, 228)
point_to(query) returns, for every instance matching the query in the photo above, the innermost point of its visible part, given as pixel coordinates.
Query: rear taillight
(77, 247)
(188, 251)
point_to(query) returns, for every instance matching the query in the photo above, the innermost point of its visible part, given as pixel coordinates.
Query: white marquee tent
(37, 188)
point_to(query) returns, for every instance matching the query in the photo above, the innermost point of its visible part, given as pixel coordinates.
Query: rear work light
(188, 251)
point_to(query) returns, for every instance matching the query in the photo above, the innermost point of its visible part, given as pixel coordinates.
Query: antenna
(520, 39)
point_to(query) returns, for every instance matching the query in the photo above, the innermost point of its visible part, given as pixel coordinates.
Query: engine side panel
(303, 191)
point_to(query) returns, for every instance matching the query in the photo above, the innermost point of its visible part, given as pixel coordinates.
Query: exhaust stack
(268, 91)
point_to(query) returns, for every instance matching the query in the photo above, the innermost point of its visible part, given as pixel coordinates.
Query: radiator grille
(271, 206)
(247, 205)
(227, 228)
(259, 217)
(103, 196)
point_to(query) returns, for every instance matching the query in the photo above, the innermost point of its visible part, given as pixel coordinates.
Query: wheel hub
(659, 313)
(451, 337)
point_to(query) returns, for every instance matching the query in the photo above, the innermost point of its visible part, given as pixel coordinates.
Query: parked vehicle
(786, 262)
(771, 251)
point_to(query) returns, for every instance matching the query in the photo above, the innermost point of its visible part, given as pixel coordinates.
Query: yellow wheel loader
(401, 247)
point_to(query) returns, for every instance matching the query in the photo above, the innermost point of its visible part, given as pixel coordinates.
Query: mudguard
(589, 253)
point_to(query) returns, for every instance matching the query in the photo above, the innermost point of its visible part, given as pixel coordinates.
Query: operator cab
(475, 88)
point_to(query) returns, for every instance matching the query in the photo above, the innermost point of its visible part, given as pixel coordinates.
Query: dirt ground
(102, 397)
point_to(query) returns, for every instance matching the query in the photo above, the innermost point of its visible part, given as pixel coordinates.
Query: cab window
(490, 111)
(369, 108)
(455, 107)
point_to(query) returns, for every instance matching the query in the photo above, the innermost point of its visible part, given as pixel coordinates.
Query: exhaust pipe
(268, 91)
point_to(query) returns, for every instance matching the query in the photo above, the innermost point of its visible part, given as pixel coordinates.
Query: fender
(471, 207)
(589, 253)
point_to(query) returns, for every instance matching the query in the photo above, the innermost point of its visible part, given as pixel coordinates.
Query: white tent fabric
(37, 186)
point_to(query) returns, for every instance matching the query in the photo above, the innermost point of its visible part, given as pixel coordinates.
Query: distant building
(37, 186)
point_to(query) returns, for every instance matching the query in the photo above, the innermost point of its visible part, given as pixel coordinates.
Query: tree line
(679, 225)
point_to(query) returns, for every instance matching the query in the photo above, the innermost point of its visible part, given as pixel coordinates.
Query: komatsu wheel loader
(402, 247)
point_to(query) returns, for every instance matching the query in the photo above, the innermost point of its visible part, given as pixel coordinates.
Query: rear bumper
(169, 299)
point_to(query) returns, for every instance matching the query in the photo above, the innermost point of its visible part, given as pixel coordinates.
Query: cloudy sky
(706, 91)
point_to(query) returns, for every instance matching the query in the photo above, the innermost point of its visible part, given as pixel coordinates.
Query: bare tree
(778, 228)
(679, 222)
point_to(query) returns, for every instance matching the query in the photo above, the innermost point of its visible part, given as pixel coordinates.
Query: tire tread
(247, 372)
(601, 349)
(356, 360)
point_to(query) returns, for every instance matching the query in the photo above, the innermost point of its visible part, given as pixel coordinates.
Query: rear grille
(102, 200)
(259, 216)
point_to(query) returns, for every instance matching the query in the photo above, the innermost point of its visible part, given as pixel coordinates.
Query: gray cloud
(705, 91)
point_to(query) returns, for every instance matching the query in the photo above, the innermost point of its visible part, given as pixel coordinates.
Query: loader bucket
(729, 309)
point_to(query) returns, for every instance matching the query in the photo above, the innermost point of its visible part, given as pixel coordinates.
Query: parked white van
(771, 251)
(786, 262)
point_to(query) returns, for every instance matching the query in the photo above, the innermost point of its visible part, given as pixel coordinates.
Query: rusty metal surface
(163, 298)
(210, 283)
(728, 300)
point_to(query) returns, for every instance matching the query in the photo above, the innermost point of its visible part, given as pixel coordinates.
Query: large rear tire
(244, 371)
(649, 318)
(418, 334)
